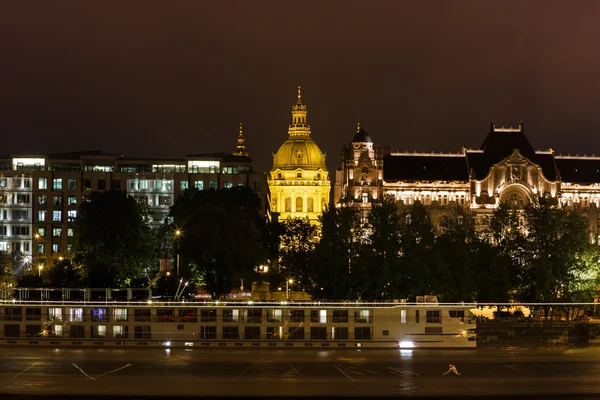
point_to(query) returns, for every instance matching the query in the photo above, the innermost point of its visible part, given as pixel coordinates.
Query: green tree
(337, 253)
(461, 253)
(416, 275)
(114, 244)
(7, 273)
(499, 279)
(379, 258)
(221, 237)
(297, 243)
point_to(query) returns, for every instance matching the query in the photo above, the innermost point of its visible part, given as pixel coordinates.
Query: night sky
(164, 79)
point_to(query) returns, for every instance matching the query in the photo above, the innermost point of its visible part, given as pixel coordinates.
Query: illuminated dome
(299, 152)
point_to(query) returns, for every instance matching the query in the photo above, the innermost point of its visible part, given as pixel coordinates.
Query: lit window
(183, 185)
(42, 183)
(72, 184)
(402, 316)
(365, 197)
(298, 204)
(57, 184)
(56, 231)
(55, 248)
(41, 248)
(42, 216)
(288, 204)
(72, 200)
(310, 205)
(70, 232)
(101, 331)
(72, 215)
(42, 200)
(57, 216)
(212, 185)
(120, 314)
(42, 232)
(58, 330)
(75, 314)
(228, 185)
(198, 185)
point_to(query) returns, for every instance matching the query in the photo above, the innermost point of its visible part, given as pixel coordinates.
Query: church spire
(240, 149)
(299, 126)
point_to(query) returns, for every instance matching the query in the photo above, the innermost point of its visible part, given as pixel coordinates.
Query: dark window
(417, 316)
(101, 184)
(77, 331)
(362, 333)
(142, 332)
(340, 333)
(433, 330)
(272, 332)
(297, 315)
(318, 333)
(116, 184)
(252, 332)
(385, 332)
(87, 184)
(253, 315)
(142, 315)
(231, 332)
(457, 314)
(208, 332)
(295, 333)
(187, 315)
(231, 315)
(340, 315)
(32, 330)
(164, 315)
(12, 330)
(208, 315)
(33, 314)
(13, 314)
(433, 317)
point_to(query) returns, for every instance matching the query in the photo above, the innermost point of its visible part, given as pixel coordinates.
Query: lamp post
(40, 268)
(178, 235)
(287, 288)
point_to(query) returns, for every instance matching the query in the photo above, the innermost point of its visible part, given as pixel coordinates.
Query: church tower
(240, 149)
(299, 181)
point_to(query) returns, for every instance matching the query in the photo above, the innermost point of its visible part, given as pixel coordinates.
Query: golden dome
(299, 152)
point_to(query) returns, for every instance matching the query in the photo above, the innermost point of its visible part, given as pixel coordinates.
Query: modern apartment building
(39, 194)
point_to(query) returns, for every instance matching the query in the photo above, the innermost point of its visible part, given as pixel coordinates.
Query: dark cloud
(167, 78)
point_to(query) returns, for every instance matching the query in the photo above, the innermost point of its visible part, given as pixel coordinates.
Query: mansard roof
(577, 169)
(425, 167)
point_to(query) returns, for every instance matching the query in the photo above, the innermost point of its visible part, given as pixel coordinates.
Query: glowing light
(406, 344)
(167, 343)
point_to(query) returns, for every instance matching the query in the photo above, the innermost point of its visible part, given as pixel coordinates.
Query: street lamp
(287, 288)
(178, 235)
(40, 268)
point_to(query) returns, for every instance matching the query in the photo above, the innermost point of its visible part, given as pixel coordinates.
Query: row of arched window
(310, 204)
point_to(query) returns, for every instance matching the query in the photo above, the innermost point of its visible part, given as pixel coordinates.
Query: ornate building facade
(299, 183)
(506, 169)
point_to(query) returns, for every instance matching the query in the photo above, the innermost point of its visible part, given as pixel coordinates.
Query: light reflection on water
(406, 354)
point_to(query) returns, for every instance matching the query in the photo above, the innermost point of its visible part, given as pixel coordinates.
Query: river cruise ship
(54, 317)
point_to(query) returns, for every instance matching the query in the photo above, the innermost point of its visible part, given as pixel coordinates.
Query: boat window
(417, 316)
(297, 315)
(75, 314)
(318, 316)
(362, 316)
(362, 333)
(457, 314)
(142, 314)
(231, 332)
(120, 314)
(339, 333)
(433, 317)
(231, 315)
(402, 316)
(187, 315)
(208, 315)
(340, 315)
(99, 314)
(164, 315)
(274, 315)
(33, 314)
(253, 315)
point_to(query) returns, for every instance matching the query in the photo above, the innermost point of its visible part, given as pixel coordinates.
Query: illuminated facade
(505, 169)
(299, 183)
(39, 194)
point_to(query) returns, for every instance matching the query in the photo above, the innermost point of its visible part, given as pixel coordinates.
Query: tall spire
(299, 126)
(240, 149)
